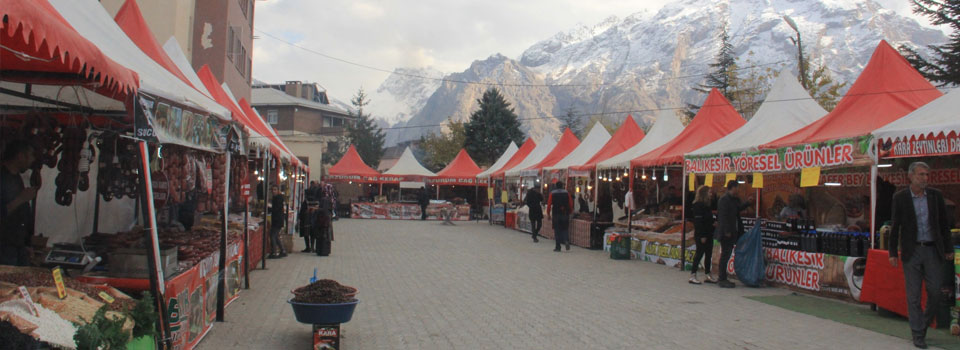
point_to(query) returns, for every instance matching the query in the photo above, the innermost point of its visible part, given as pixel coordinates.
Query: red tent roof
(461, 170)
(518, 157)
(715, 119)
(351, 165)
(461, 166)
(568, 142)
(36, 29)
(266, 130)
(887, 89)
(627, 135)
(131, 21)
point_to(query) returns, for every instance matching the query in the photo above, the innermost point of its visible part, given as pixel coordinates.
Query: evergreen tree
(944, 67)
(492, 128)
(723, 75)
(335, 150)
(365, 135)
(571, 119)
(440, 149)
(822, 87)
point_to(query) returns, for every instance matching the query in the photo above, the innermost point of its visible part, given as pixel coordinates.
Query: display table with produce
(407, 211)
(192, 259)
(70, 314)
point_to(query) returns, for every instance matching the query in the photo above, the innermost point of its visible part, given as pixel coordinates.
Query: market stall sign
(923, 146)
(161, 188)
(757, 180)
(106, 297)
(26, 297)
(823, 154)
(58, 281)
(693, 182)
(188, 126)
(708, 180)
(453, 181)
(143, 120)
(810, 177)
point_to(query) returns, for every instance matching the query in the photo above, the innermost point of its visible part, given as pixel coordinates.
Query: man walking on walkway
(560, 206)
(921, 232)
(729, 227)
(534, 201)
(278, 216)
(424, 200)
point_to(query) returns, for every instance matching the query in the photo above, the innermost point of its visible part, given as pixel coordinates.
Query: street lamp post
(800, 65)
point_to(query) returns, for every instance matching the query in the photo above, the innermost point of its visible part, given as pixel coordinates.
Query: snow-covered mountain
(649, 60)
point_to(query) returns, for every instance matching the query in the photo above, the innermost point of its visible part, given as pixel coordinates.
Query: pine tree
(571, 119)
(492, 128)
(441, 148)
(723, 75)
(365, 135)
(944, 67)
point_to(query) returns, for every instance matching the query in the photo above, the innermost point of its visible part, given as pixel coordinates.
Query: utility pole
(800, 65)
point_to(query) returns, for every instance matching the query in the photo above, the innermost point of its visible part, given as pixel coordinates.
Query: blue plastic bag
(748, 261)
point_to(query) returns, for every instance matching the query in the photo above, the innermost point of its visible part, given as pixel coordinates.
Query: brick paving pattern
(474, 286)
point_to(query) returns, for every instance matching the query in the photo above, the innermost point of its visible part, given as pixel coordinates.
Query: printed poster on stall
(406, 211)
(822, 274)
(191, 297)
(939, 145)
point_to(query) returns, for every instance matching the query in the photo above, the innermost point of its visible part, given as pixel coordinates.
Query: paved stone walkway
(474, 286)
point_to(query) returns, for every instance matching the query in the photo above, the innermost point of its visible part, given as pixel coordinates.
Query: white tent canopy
(92, 21)
(663, 130)
(507, 154)
(590, 145)
(544, 147)
(408, 165)
(787, 108)
(173, 50)
(935, 118)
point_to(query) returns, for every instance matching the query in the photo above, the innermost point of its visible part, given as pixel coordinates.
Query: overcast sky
(386, 34)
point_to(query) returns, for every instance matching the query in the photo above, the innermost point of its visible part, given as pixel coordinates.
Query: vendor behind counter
(16, 213)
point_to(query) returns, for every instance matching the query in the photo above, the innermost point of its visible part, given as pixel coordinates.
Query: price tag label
(58, 280)
(757, 180)
(29, 300)
(692, 182)
(729, 177)
(810, 177)
(106, 297)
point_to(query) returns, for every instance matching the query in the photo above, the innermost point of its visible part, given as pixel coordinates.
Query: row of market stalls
(837, 169)
(146, 169)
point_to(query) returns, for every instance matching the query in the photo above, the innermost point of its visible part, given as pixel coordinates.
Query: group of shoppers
(559, 209)
(919, 240)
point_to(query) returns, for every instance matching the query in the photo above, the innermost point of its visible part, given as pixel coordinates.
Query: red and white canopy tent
(591, 144)
(461, 171)
(351, 168)
(665, 128)
(628, 135)
(931, 130)
(41, 48)
(516, 158)
(567, 143)
(715, 119)
(887, 89)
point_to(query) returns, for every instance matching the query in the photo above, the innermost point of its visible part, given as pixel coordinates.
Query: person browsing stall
(560, 206)
(703, 233)
(16, 213)
(920, 237)
(278, 216)
(729, 227)
(534, 201)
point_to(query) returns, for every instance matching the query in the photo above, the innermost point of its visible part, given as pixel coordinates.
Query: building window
(231, 38)
(243, 7)
(332, 122)
(272, 116)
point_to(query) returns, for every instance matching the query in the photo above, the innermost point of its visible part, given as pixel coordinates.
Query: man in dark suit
(560, 206)
(534, 202)
(729, 227)
(921, 233)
